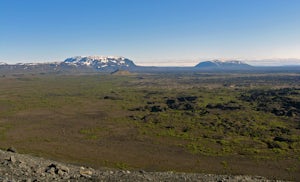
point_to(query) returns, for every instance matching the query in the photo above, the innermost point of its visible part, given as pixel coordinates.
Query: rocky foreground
(20, 167)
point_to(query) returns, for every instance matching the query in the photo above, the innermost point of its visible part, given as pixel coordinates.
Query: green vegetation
(157, 122)
(90, 133)
(4, 127)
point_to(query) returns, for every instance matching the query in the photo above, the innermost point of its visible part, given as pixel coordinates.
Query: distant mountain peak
(100, 62)
(218, 64)
(228, 61)
(99, 57)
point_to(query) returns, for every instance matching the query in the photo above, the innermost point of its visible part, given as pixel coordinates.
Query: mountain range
(217, 64)
(100, 62)
(113, 63)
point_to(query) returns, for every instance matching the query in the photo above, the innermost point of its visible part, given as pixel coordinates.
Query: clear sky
(150, 32)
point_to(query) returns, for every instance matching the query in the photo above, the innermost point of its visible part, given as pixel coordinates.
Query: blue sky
(150, 32)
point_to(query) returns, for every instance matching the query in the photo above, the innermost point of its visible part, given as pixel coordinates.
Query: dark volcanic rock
(156, 109)
(12, 149)
(187, 103)
(226, 106)
(278, 101)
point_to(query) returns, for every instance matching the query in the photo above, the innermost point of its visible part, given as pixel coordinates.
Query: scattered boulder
(137, 109)
(171, 103)
(185, 129)
(156, 108)
(282, 139)
(38, 169)
(203, 112)
(187, 98)
(169, 127)
(278, 112)
(134, 117)
(12, 149)
(12, 159)
(57, 169)
(112, 97)
(292, 113)
(150, 118)
(85, 172)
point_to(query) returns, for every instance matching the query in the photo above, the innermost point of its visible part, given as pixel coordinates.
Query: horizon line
(188, 62)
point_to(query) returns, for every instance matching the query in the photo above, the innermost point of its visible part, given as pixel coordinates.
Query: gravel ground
(20, 167)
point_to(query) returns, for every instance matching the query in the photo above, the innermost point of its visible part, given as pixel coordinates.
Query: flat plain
(224, 123)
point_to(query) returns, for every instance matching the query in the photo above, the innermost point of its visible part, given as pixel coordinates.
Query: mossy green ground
(183, 122)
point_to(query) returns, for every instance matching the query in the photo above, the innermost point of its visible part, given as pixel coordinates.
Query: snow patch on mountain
(2, 63)
(99, 62)
(228, 62)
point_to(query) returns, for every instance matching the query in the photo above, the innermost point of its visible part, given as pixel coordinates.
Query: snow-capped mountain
(2, 63)
(73, 64)
(217, 64)
(89, 64)
(100, 62)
